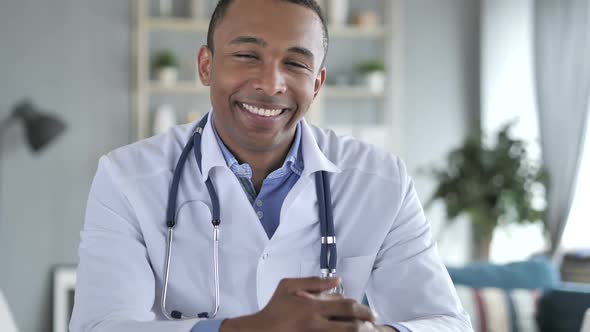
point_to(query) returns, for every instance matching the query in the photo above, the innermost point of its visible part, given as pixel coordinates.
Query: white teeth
(262, 111)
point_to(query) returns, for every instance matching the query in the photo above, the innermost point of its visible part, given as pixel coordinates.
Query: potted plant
(372, 75)
(493, 185)
(165, 67)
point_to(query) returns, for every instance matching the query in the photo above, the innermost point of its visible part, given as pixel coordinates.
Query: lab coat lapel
(300, 208)
(212, 155)
(240, 226)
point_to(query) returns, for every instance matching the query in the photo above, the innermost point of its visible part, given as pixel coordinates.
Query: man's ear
(319, 82)
(204, 60)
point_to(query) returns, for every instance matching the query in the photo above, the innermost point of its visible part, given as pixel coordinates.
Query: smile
(262, 111)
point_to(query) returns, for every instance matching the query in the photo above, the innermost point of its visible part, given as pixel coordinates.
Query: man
(264, 65)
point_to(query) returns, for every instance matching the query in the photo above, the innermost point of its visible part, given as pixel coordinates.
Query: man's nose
(271, 80)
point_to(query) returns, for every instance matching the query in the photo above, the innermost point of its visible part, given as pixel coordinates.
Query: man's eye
(245, 56)
(296, 64)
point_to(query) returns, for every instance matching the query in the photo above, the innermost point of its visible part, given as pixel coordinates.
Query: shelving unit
(194, 88)
(386, 35)
(191, 25)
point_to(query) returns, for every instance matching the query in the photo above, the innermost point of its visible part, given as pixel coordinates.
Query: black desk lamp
(40, 128)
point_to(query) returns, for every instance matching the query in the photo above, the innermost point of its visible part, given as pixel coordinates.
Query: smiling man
(267, 185)
(264, 64)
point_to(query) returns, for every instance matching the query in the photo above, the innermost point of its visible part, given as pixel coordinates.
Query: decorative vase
(338, 12)
(375, 81)
(168, 76)
(367, 19)
(199, 9)
(165, 7)
(164, 119)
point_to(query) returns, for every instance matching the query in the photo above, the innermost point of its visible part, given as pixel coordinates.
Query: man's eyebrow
(303, 51)
(261, 42)
(248, 40)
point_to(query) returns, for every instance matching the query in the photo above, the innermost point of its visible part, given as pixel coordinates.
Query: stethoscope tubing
(328, 255)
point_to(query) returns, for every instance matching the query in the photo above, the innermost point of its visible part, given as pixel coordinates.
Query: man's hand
(297, 305)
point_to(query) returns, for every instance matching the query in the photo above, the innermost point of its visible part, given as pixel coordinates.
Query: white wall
(508, 94)
(73, 58)
(440, 98)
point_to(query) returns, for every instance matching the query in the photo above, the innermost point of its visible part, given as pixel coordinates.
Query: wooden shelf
(148, 28)
(194, 88)
(351, 31)
(186, 87)
(177, 24)
(350, 92)
(190, 25)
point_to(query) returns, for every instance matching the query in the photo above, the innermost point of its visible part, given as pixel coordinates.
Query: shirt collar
(315, 160)
(293, 161)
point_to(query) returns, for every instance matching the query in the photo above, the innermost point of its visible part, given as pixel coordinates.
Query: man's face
(264, 71)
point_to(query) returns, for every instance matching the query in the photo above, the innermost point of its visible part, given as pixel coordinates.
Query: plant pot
(168, 76)
(338, 12)
(165, 7)
(481, 236)
(375, 81)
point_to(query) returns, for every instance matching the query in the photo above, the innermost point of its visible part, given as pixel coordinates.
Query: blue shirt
(268, 202)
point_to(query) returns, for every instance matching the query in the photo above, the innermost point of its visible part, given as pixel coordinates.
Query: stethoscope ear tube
(173, 194)
(328, 255)
(330, 237)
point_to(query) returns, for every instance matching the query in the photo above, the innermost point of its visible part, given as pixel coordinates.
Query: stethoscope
(328, 254)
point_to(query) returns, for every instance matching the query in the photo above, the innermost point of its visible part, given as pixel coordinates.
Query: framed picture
(64, 283)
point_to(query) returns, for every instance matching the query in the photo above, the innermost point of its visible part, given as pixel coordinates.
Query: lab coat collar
(313, 157)
(211, 153)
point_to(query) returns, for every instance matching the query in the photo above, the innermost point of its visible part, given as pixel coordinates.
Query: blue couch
(560, 307)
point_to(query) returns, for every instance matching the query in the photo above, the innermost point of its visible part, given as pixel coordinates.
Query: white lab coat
(385, 246)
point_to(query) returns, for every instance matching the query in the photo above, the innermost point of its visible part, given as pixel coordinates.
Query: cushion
(562, 309)
(500, 310)
(537, 273)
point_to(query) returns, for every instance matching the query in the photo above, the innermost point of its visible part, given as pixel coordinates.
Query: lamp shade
(41, 128)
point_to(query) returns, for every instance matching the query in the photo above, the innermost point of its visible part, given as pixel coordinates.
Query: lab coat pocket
(354, 271)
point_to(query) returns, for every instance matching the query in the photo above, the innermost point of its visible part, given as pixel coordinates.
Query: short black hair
(222, 6)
